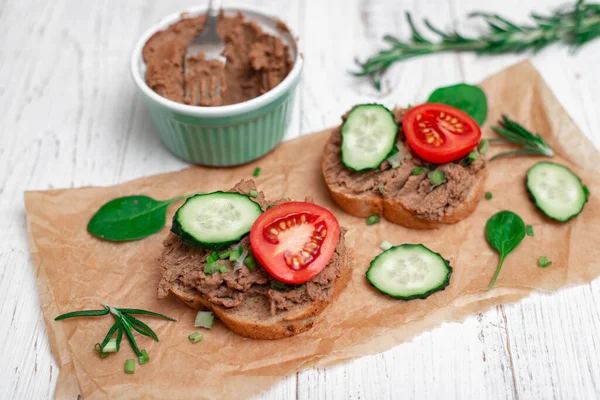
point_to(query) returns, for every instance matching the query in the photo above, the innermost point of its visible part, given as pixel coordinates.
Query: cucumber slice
(215, 220)
(556, 190)
(368, 136)
(409, 271)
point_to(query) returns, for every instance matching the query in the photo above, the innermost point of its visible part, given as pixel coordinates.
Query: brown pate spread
(256, 63)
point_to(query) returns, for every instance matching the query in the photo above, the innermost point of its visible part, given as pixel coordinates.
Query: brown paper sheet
(76, 271)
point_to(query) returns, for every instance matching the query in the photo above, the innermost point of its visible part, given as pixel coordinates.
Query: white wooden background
(70, 117)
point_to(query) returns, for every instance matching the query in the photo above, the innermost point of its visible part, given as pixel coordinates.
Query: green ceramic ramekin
(226, 135)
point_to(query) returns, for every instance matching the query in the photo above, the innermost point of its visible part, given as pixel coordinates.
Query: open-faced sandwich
(267, 269)
(419, 167)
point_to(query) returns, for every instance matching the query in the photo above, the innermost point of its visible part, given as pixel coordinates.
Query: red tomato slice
(439, 133)
(294, 241)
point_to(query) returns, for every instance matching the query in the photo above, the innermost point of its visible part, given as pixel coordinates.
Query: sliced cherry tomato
(294, 241)
(439, 133)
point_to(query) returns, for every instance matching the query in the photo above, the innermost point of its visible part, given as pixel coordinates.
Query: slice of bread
(367, 199)
(253, 319)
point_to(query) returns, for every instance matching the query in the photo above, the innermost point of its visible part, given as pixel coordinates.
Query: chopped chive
(279, 286)
(235, 254)
(543, 262)
(473, 156)
(129, 366)
(214, 256)
(250, 262)
(488, 195)
(529, 230)
(211, 268)
(204, 319)
(256, 172)
(381, 188)
(253, 193)
(195, 337)
(225, 254)
(395, 164)
(111, 346)
(144, 358)
(299, 287)
(409, 106)
(418, 170)
(385, 245)
(373, 219)
(436, 177)
(483, 146)
(586, 191)
(269, 207)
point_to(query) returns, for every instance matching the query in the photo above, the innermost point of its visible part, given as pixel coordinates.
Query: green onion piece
(381, 188)
(98, 350)
(204, 319)
(215, 267)
(214, 256)
(253, 193)
(279, 286)
(299, 287)
(235, 254)
(408, 157)
(436, 177)
(483, 146)
(195, 337)
(111, 346)
(225, 254)
(473, 156)
(418, 170)
(586, 191)
(129, 366)
(144, 358)
(250, 262)
(529, 230)
(256, 172)
(385, 245)
(488, 195)
(543, 262)
(409, 106)
(373, 219)
(269, 207)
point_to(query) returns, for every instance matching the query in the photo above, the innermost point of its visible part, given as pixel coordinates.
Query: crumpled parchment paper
(77, 271)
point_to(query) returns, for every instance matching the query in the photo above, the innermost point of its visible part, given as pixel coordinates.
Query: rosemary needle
(512, 132)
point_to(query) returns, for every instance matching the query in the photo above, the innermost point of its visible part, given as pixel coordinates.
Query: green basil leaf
(504, 231)
(129, 218)
(468, 98)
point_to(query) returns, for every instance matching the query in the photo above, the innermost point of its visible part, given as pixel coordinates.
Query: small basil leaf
(504, 231)
(129, 218)
(468, 98)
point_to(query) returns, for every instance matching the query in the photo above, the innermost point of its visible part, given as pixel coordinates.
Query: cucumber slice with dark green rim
(556, 190)
(368, 136)
(409, 271)
(215, 220)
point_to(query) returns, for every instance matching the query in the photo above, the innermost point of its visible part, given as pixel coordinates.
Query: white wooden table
(70, 117)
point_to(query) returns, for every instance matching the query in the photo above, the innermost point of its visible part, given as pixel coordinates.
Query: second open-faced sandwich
(267, 269)
(419, 167)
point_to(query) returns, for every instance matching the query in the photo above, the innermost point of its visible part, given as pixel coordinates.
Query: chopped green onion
(488, 195)
(215, 267)
(373, 219)
(204, 319)
(408, 157)
(269, 207)
(253, 193)
(543, 262)
(436, 177)
(225, 254)
(195, 337)
(385, 245)
(111, 346)
(279, 286)
(473, 156)
(129, 366)
(235, 254)
(256, 172)
(144, 358)
(299, 287)
(586, 191)
(98, 350)
(250, 262)
(409, 106)
(483, 146)
(418, 170)
(529, 230)
(214, 256)
(381, 188)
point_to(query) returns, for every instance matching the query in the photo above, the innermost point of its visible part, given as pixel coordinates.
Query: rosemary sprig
(574, 25)
(125, 322)
(512, 132)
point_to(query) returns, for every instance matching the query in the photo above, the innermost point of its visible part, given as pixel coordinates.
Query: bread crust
(283, 324)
